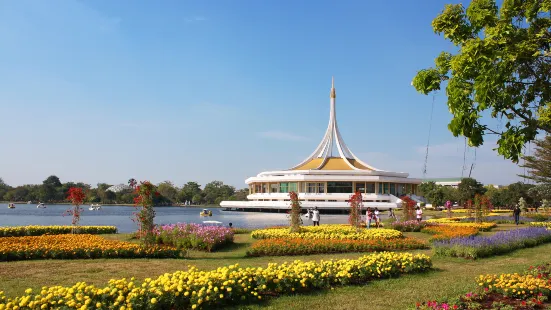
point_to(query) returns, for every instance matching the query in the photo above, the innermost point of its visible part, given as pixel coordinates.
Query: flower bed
(298, 246)
(194, 236)
(500, 243)
(530, 290)
(456, 222)
(410, 226)
(328, 232)
(446, 232)
(226, 285)
(76, 246)
(541, 224)
(54, 230)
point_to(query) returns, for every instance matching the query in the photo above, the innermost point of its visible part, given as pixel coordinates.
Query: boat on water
(206, 212)
(41, 206)
(212, 223)
(94, 207)
(11, 206)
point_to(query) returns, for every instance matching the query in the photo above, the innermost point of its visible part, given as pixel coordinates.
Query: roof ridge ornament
(333, 92)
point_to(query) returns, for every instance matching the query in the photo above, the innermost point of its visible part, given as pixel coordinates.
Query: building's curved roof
(322, 158)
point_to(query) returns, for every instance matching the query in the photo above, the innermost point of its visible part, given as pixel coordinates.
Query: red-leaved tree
(408, 207)
(145, 215)
(76, 196)
(355, 215)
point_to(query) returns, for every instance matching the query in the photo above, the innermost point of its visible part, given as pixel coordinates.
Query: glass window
(284, 187)
(339, 187)
(321, 188)
(360, 187)
(380, 188)
(292, 187)
(264, 187)
(370, 188)
(311, 187)
(258, 188)
(392, 188)
(386, 188)
(274, 188)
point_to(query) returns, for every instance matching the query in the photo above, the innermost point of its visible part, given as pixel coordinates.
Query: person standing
(316, 217)
(419, 214)
(376, 216)
(368, 216)
(516, 214)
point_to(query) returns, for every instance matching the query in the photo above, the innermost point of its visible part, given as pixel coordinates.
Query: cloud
(194, 19)
(280, 135)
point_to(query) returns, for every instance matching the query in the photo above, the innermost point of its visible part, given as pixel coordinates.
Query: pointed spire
(333, 92)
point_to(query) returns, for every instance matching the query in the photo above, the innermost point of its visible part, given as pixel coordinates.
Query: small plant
(76, 196)
(295, 220)
(355, 216)
(545, 205)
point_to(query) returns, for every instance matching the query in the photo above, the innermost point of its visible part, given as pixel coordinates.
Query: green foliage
(539, 165)
(167, 190)
(501, 69)
(437, 195)
(468, 188)
(217, 191)
(522, 204)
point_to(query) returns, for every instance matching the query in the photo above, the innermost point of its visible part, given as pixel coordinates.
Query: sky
(103, 91)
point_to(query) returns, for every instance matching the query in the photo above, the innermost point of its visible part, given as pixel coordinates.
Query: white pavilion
(326, 181)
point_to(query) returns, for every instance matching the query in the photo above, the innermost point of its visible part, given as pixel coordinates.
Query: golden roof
(331, 163)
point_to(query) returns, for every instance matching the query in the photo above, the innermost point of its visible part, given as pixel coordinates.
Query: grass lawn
(452, 276)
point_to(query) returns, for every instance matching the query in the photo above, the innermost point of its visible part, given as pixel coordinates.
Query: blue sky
(101, 90)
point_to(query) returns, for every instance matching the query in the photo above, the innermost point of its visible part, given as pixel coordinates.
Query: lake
(120, 216)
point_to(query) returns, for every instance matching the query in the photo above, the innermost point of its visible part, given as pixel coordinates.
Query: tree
(188, 191)
(76, 196)
(168, 191)
(294, 214)
(408, 207)
(4, 188)
(217, 191)
(539, 165)
(132, 182)
(502, 69)
(516, 191)
(240, 195)
(468, 188)
(52, 181)
(196, 199)
(355, 214)
(145, 216)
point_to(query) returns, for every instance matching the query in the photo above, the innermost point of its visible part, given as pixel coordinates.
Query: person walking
(516, 214)
(391, 214)
(316, 216)
(419, 214)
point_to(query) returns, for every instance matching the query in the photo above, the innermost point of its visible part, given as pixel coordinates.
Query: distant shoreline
(113, 204)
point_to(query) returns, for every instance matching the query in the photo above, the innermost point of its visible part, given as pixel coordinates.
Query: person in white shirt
(316, 217)
(376, 215)
(419, 214)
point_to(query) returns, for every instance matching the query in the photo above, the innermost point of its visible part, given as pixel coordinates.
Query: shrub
(193, 236)
(327, 232)
(298, 246)
(500, 243)
(54, 230)
(226, 285)
(446, 232)
(72, 246)
(411, 226)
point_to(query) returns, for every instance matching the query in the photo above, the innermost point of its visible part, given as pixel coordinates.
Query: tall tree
(216, 191)
(189, 191)
(52, 181)
(468, 188)
(168, 190)
(502, 68)
(539, 165)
